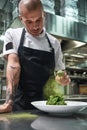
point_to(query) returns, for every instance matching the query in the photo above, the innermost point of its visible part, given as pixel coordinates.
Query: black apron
(36, 67)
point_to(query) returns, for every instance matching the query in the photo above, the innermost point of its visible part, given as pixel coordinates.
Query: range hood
(66, 28)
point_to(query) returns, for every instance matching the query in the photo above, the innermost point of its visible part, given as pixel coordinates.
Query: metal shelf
(78, 77)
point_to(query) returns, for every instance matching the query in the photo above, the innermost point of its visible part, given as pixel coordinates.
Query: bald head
(30, 5)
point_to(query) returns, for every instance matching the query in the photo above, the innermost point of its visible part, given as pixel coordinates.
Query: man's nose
(35, 26)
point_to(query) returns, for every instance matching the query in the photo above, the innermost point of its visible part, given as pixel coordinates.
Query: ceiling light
(78, 44)
(84, 54)
(78, 56)
(66, 54)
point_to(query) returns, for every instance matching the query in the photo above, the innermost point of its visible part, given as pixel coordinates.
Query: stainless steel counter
(36, 120)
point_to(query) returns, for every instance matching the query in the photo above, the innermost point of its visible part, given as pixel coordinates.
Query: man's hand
(63, 78)
(5, 108)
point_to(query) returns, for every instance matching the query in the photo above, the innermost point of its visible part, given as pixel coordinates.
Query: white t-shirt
(39, 42)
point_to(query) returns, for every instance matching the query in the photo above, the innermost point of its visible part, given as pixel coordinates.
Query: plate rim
(85, 103)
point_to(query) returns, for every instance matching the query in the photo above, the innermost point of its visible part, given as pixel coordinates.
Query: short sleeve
(10, 45)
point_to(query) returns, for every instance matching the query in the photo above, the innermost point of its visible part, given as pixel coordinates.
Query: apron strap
(49, 41)
(22, 39)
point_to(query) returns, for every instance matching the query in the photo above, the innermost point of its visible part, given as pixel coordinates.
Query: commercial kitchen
(67, 21)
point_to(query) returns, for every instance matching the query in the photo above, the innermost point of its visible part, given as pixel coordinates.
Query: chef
(32, 56)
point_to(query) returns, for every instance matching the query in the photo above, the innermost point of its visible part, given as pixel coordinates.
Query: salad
(56, 100)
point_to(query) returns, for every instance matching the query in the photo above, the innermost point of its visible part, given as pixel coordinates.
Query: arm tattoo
(13, 67)
(12, 83)
(9, 96)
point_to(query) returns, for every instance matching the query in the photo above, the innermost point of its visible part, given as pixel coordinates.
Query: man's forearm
(12, 80)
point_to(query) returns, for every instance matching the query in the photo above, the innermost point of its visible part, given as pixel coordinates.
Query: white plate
(70, 108)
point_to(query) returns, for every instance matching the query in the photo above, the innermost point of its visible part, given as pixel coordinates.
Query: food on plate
(56, 100)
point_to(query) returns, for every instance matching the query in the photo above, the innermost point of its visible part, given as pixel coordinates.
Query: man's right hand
(5, 108)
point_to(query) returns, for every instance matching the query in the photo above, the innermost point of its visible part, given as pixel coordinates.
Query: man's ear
(20, 17)
(44, 13)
